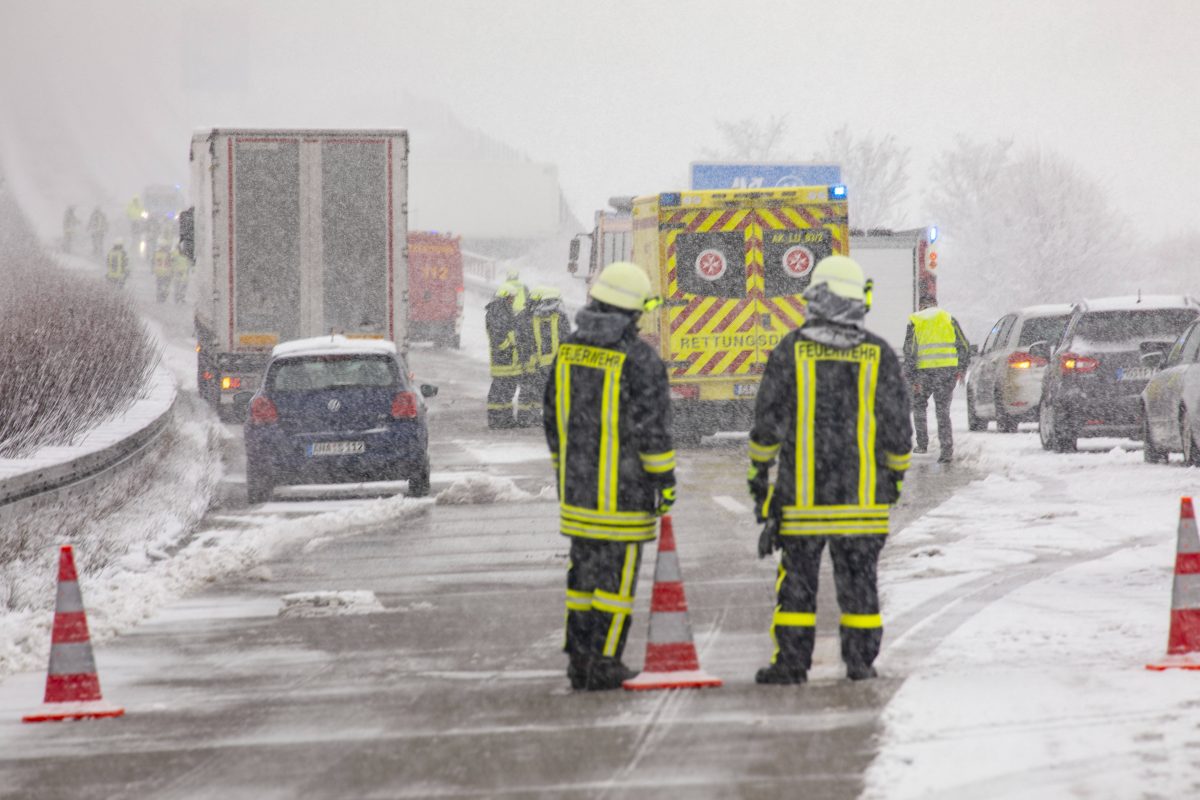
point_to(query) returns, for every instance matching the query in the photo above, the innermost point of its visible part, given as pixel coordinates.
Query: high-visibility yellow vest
(934, 339)
(117, 262)
(162, 263)
(181, 266)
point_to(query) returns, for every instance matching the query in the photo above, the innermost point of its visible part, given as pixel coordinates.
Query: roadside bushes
(73, 353)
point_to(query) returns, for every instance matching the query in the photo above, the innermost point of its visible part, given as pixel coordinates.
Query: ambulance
(731, 266)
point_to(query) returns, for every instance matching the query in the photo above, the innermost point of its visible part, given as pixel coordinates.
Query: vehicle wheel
(974, 421)
(1004, 422)
(1052, 431)
(260, 483)
(418, 485)
(1150, 453)
(456, 341)
(1191, 451)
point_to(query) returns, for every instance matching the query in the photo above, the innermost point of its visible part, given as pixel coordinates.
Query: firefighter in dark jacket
(833, 409)
(547, 324)
(935, 354)
(500, 319)
(607, 417)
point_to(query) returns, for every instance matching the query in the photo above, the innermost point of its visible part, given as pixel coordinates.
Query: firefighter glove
(758, 480)
(666, 499)
(768, 540)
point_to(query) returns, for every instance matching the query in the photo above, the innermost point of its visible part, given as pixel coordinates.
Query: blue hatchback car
(333, 409)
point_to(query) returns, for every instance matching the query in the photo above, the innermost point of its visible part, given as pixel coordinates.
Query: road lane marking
(729, 504)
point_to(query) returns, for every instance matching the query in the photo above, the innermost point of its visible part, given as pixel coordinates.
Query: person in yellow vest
(500, 320)
(162, 272)
(935, 354)
(181, 267)
(118, 264)
(135, 212)
(546, 324)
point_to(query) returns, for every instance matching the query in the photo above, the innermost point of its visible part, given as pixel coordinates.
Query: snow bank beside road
(1056, 572)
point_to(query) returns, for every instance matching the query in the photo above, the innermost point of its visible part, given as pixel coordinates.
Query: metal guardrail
(29, 491)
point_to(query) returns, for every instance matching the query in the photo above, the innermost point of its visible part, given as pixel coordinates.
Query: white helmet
(843, 275)
(624, 285)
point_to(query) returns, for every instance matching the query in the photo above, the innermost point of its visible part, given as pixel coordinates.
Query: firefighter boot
(781, 675)
(608, 673)
(860, 672)
(577, 671)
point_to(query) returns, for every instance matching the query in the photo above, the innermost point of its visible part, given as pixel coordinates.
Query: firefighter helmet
(842, 274)
(624, 285)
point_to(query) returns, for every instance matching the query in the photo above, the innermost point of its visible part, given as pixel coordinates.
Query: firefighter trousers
(794, 626)
(529, 403)
(938, 382)
(601, 578)
(500, 401)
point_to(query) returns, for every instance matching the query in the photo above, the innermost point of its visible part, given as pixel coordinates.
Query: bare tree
(751, 140)
(1023, 228)
(875, 171)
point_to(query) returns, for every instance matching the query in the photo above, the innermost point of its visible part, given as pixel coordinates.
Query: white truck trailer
(903, 268)
(297, 233)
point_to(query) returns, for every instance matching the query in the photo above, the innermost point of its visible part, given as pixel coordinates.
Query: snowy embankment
(1051, 579)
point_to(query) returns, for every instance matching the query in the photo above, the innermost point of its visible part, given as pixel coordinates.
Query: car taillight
(1071, 363)
(230, 382)
(1022, 360)
(263, 411)
(404, 405)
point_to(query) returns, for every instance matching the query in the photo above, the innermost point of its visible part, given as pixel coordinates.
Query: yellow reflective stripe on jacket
(806, 412)
(658, 462)
(763, 452)
(934, 339)
(503, 366)
(620, 605)
(834, 520)
(862, 621)
(868, 372)
(897, 462)
(543, 357)
(610, 440)
(613, 525)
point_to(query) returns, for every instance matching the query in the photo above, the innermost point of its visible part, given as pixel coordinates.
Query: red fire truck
(435, 288)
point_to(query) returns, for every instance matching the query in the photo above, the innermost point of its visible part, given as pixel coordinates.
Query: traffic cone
(671, 661)
(72, 685)
(1184, 638)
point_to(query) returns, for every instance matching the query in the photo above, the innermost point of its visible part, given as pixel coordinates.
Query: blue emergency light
(837, 192)
(670, 199)
(933, 233)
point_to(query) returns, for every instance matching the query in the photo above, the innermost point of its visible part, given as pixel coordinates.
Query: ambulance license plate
(336, 448)
(1135, 374)
(745, 389)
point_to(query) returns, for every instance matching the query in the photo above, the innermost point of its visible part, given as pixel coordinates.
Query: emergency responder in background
(935, 354)
(547, 323)
(118, 264)
(607, 417)
(833, 409)
(97, 229)
(162, 271)
(70, 228)
(500, 319)
(136, 214)
(181, 268)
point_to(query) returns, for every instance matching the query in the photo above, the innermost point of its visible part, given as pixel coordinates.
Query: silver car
(1004, 381)
(1171, 403)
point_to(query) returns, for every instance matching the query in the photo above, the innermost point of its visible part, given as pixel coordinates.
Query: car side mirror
(1040, 349)
(428, 390)
(1153, 359)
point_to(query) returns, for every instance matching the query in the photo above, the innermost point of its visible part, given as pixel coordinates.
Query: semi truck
(435, 283)
(731, 266)
(611, 239)
(902, 266)
(295, 233)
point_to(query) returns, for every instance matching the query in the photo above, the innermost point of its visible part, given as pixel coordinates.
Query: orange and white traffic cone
(1183, 642)
(72, 685)
(671, 660)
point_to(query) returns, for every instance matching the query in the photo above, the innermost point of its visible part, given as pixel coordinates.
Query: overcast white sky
(100, 98)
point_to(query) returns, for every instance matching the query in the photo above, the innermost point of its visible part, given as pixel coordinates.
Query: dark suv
(1107, 354)
(332, 410)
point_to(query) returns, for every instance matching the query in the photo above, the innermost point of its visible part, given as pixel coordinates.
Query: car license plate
(336, 448)
(1135, 374)
(745, 389)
